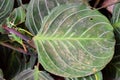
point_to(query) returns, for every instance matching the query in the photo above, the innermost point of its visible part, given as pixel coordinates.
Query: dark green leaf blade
(74, 41)
(6, 7)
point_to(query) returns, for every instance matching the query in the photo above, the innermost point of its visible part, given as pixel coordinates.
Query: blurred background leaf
(112, 70)
(12, 62)
(16, 17)
(6, 6)
(33, 74)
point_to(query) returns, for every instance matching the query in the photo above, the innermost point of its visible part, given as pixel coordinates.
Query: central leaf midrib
(67, 38)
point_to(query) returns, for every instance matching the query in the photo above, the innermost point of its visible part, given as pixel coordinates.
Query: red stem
(11, 30)
(16, 48)
(25, 38)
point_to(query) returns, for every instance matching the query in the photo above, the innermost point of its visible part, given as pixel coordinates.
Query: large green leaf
(35, 74)
(38, 9)
(96, 76)
(6, 7)
(74, 41)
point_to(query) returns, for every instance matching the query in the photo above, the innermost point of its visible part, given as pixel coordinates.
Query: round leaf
(74, 41)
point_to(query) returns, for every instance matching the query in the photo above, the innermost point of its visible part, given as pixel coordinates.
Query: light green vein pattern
(74, 41)
(39, 9)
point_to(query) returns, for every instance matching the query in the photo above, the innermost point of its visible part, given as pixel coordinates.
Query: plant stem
(11, 30)
(96, 3)
(25, 38)
(16, 48)
(108, 5)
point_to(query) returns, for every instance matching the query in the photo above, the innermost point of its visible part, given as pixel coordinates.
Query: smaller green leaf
(35, 74)
(16, 17)
(96, 76)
